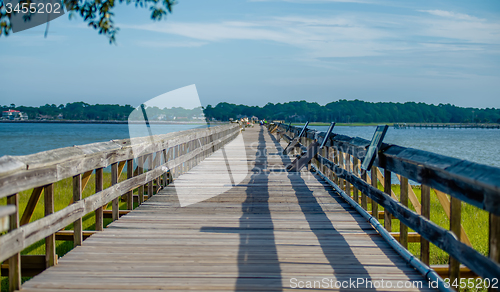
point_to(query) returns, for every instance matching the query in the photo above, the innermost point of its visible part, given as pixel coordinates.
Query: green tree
(97, 14)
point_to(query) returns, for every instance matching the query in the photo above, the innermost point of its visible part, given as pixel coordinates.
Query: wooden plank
(77, 224)
(14, 260)
(50, 241)
(494, 240)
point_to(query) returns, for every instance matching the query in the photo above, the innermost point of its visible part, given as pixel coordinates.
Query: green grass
(474, 221)
(63, 192)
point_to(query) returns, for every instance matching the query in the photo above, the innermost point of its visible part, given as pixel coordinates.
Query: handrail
(466, 181)
(161, 158)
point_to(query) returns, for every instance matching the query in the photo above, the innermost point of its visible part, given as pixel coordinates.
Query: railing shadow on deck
(330, 239)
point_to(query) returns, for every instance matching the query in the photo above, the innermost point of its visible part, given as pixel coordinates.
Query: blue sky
(260, 51)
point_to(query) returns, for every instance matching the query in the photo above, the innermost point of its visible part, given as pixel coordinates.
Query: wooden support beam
(68, 235)
(15, 260)
(444, 272)
(109, 213)
(50, 241)
(410, 236)
(77, 196)
(31, 265)
(30, 207)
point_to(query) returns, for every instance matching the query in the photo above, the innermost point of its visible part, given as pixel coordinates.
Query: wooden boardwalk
(267, 233)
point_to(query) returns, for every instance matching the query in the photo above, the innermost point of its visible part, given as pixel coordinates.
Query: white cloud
(170, 44)
(347, 35)
(451, 14)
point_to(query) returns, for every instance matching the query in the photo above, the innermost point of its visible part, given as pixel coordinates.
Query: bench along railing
(160, 159)
(464, 181)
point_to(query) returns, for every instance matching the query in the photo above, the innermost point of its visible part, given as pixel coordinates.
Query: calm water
(22, 139)
(478, 145)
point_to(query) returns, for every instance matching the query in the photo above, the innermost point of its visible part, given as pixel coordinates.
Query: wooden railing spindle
(77, 196)
(373, 173)
(387, 190)
(99, 186)
(455, 227)
(426, 213)
(50, 241)
(115, 205)
(15, 260)
(403, 198)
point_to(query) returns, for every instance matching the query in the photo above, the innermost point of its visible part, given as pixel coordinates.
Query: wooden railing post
(347, 163)
(165, 181)
(355, 165)
(115, 205)
(150, 183)
(364, 199)
(140, 170)
(99, 186)
(387, 190)
(426, 212)
(375, 185)
(494, 240)
(50, 241)
(15, 260)
(77, 196)
(130, 194)
(403, 198)
(455, 227)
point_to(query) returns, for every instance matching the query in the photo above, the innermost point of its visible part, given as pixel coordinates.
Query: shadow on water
(336, 249)
(258, 263)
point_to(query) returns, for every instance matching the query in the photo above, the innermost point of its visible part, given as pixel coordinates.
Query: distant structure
(14, 115)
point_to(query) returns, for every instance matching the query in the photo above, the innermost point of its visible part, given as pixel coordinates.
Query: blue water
(477, 145)
(22, 139)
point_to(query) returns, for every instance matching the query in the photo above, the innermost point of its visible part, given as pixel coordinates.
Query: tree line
(357, 111)
(75, 111)
(342, 111)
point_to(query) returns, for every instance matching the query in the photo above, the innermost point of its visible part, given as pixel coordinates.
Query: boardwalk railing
(464, 181)
(161, 159)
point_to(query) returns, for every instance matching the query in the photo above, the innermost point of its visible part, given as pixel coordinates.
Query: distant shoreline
(99, 122)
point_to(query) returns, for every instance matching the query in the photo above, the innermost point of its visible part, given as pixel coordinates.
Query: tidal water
(478, 145)
(23, 139)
